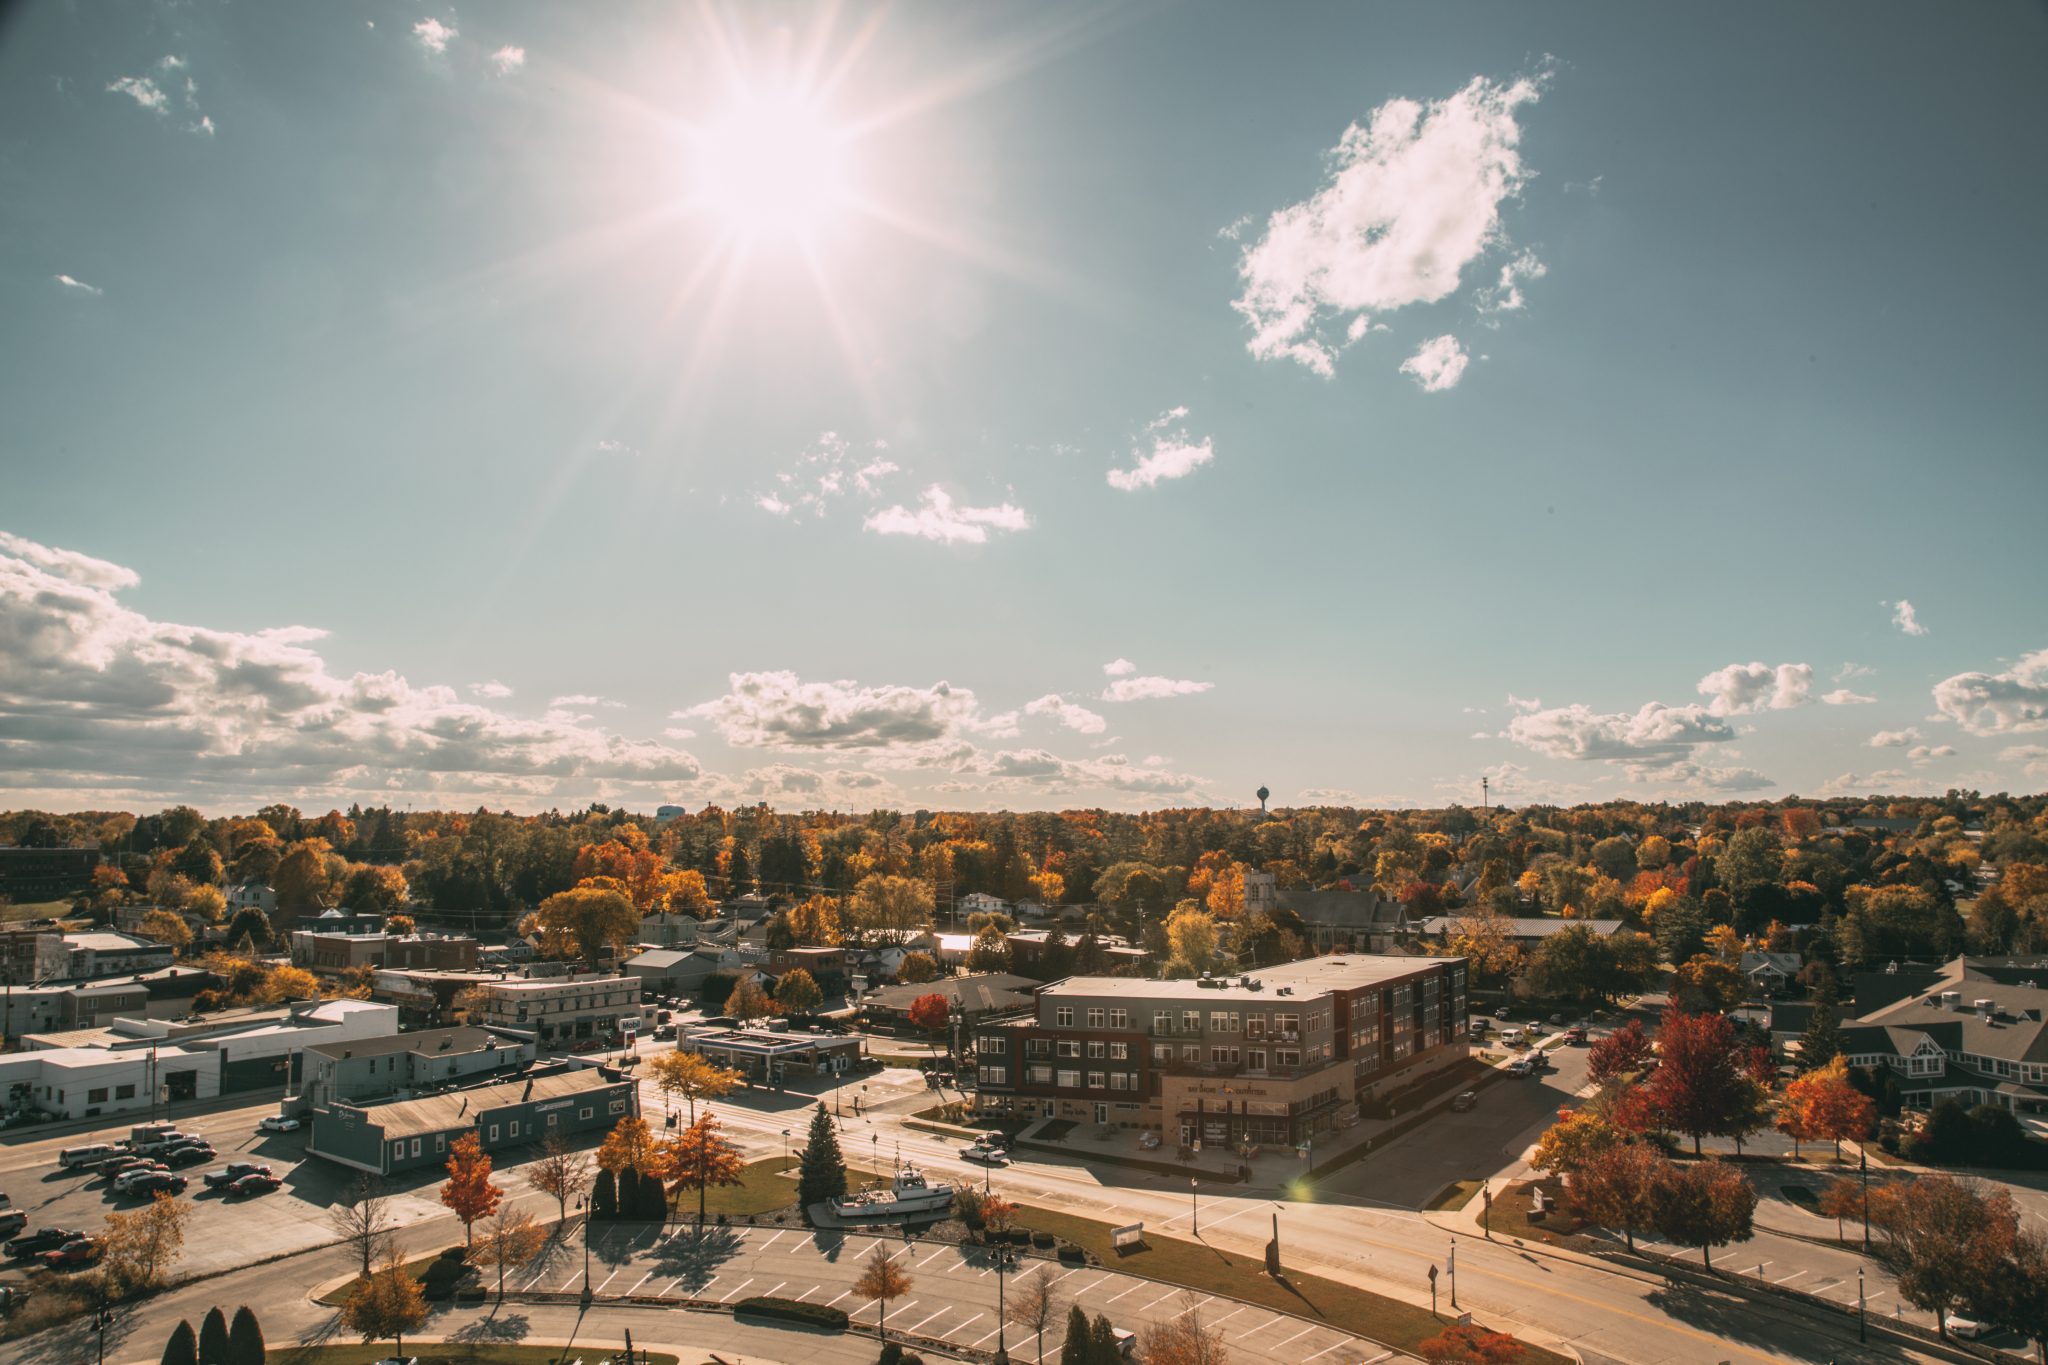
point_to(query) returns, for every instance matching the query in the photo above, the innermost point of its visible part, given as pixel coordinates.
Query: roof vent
(1982, 1007)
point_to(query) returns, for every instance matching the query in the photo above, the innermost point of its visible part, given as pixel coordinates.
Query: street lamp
(1863, 1166)
(102, 1314)
(582, 1207)
(1862, 1329)
(1006, 1259)
(1195, 1199)
(785, 1149)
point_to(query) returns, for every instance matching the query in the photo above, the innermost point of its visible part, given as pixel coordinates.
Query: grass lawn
(1210, 1271)
(12, 911)
(1510, 1215)
(453, 1352)
(1454, 1196)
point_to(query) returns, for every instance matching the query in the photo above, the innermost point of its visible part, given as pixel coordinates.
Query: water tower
(1263, 794)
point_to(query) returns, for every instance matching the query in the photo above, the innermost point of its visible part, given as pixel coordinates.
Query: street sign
(1131, 1236)
(1432, 1276)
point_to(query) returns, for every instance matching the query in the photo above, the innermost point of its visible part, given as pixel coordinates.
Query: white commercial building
(88, 1082)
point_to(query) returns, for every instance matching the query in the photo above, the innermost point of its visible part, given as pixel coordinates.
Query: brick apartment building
(1268, 1057)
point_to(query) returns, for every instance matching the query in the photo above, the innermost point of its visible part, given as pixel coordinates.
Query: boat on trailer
(907, 1195)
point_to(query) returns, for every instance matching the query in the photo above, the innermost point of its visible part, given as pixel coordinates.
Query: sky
(993, 406)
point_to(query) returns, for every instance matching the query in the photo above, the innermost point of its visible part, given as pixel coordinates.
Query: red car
(83, 1251)
(255, 1183)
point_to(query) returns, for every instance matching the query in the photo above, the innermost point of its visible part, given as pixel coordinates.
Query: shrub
(892, 1354)
(470, 1293)
(1072, 1253)
(1043, 1240)
(790, 1310)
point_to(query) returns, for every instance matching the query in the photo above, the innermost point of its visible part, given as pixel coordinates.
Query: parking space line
(963, 1326)
(842, 1294)
(976, 1344)
(1378, 1358)
(1297, 1336)
(642, 1280)
(919, 1325)
(664, 1292)
(736, 1289)
(776, 1238)
(772, 1292)
(608, 1279)
(807, 1293)
(1228, 1316)
(933, 1257)
(1255, 1331)
(1326, 1350)
(1161, 1299)
(1069, 1275)
(1793, 1276)
(872, 1303)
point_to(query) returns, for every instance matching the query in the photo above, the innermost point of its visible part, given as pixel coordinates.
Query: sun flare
(773, 164)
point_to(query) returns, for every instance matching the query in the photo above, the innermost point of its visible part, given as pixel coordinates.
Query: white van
(71, 1158)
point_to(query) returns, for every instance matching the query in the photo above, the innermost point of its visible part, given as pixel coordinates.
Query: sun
(773, 164)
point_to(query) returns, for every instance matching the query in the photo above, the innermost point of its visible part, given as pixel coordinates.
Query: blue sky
(995, 406)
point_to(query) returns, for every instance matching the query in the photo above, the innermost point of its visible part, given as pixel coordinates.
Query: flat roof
(459, 1039)
(1344, 971)
(459, 1108)
(767, 1040)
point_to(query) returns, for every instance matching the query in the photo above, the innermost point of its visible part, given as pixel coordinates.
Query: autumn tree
(400, 926)
(1183, 1339)
(1191, 941)
(208, 903)
(2015, 1295)
(630, 1146)
(583, 922)
(284, 983)
(1822, 1104)
(692, 1077)
(1706, 983)
(363, 1218)
(1841, 1199)
(930, 1012)
(510, 1238)
(917, 969)
(881, 1280)
(140, 1246)
(1822, 1041)
(1576, 1138)
(1943, 1239)
(700, 1157)
(1621, 1053)
(469, 1191)
(166, 927)
(1702, 1085)
(1617, 1188)
(990, 953)
(797, 993)
(815, 922)
(562, 1171)
(889, 909)
(1034, 1305)
(1703, 1204)
(1485, 939)
(386, 1303)
(748, 1002)
(301, 880)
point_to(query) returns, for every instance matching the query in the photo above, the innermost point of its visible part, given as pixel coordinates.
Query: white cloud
(1882, 782)
(1905, 618)
(1742, 689)
(1850, 672)
(780, 711)
(2033, 756)
(1118, 668)
(1655, 735)
(577, 699)
(79, 285)
(1894, 739)
(1152, 688)
(609, 446)
(204, 126)
(1115, 772)
(1996, 703)
(509, 59)
(434, 35)
(1524, 704)
(1923, 754)
(1165, 451)
(1412, 198)
(1506, 295)
(1070, 714)
(1700, 777)
(771, 504)
(938, 517)
(96, 696)
(1842, 696)
(830, 468)
(493, 690)
(143, 91)
(1437, 364)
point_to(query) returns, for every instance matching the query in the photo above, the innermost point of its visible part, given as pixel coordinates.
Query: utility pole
(1863, 1168)
(1195, 1200)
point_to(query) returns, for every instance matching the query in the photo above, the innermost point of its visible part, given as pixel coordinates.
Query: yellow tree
(889, 909)
(1725, 943)
(814, 922)
(288, 983)
(881, 1279)
(510, 1238)
(690, 1076)
(701, 1157)
(1191, 940)
(469, 1191)
(1823, 1104)
(629, 1146)
(748, 1001)
(386, 1303)
(584, 921)
(208, 903)
(140, 1246)
(167, 927)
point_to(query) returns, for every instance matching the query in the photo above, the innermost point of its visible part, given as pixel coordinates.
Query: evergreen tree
(183, 1347)
(213, 1338)
(1822, 1041)
(653, 1198)
(245, 1339)
(822, 1173)
(1075, 1350)
(604, 1197)
(1102, 1347)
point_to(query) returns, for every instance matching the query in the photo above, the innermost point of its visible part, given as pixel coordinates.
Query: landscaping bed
(1510, 1215)
(792, 1310)
(454, 1353)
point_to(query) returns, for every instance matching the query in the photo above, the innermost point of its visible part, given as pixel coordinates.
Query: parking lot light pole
(1005, 1259)
(1195, 1199)
(1863, 1166)
(1862, 1327)
(583, 1207)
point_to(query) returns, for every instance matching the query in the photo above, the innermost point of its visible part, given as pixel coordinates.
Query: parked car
(36, 1243)
(77, 1251)
(233, 1171)
(1465, 1101)
(987, 1156)
(157, 1146)
(12, 1221)
(152, 1183)
(1969, 1329)
(188, 1156)
(254, 1184)
(1556, 1019)
(75, 1158)
(120, 1166)
(277, 1123)
(126, 1182)
(1521, 1066)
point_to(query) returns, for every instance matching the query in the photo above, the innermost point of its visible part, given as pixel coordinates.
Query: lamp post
(1486, 1209)
(1452, 1261)
(1862, 1328)
(1005, 1259)
(582, 1207)
(785, 1149)
(102, 1314)
(1863, 1167)
(1195, 1199)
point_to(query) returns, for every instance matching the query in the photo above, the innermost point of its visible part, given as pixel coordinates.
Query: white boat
(909, 1195)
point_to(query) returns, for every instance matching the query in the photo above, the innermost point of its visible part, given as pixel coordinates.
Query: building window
(995, 1075)
(1256, 1059)
(1223, 1056)
(1119, 1018)
(1095, 1051)
(398, 1150)
(585, 1112)
(1038, 1075)
(1120, 1052)
(1095, 1018)
(1120, 1080)
(1064, 1016)
(124, 1092)
(618, 1106)
(1162, 1052)
(995, 1047)
(1096, 1081)
(1162, 1021)
(492, 1133)
(1068, 1047)
(1191, 1053)
(1070, 1080)
(1191, 1021)
(440, 1143)
(1288, 1056)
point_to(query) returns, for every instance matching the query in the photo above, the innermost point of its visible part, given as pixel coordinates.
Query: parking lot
(952, 1296)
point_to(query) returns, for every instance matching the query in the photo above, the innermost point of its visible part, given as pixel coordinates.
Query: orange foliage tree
(469, 1191)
